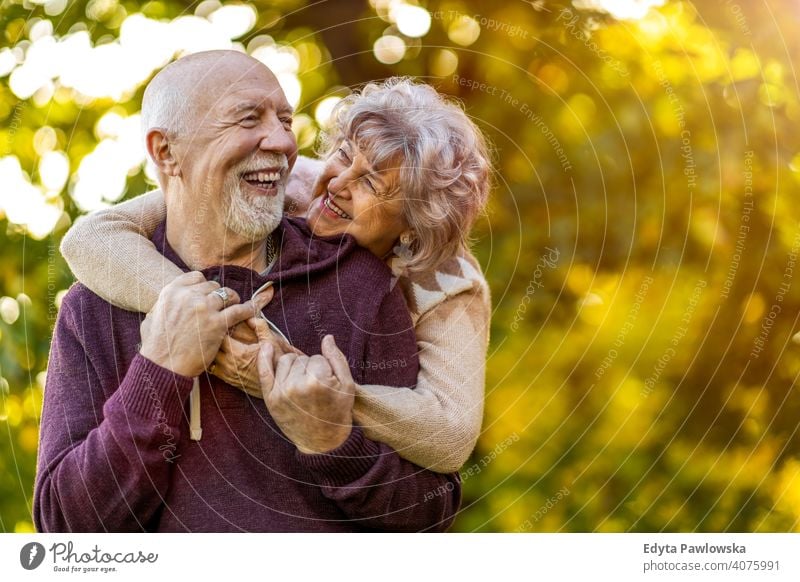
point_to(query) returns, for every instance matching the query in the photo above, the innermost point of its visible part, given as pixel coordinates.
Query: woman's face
(350, 196)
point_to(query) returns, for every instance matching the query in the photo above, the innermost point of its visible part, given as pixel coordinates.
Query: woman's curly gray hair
(442, 158)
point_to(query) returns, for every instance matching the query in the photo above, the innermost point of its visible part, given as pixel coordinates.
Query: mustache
(261, 161)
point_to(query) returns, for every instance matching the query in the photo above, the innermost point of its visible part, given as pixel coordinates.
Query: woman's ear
(159, 148)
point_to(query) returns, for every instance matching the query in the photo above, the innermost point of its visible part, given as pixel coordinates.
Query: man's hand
(184, 330)
(310, 398)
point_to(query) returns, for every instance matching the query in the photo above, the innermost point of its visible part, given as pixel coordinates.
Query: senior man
(116, 453)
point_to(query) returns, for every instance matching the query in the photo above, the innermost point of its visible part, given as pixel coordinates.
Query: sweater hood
(301, 255)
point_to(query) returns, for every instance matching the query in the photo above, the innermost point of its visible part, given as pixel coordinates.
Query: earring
(403, 250)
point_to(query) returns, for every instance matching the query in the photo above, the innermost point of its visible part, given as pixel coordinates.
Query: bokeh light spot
(444, 62)
(464, 30)
(9, 310)
(324, 110)
(412, 21)
(389, 49)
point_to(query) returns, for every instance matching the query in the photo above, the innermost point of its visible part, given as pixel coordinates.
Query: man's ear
(160, 150)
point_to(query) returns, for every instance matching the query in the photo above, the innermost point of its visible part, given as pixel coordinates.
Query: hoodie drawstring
(195, 428)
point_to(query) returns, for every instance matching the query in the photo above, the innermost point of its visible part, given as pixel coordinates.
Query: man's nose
(278, 140)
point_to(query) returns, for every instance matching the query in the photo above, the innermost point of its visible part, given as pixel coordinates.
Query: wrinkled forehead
(254, 88)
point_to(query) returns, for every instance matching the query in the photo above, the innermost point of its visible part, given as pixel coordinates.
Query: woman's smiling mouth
(330, 205)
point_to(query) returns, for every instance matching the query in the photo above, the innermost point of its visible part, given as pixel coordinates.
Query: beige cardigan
(435, 425)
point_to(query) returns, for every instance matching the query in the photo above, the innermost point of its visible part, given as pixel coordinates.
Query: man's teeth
(329, 204)
(263, 177)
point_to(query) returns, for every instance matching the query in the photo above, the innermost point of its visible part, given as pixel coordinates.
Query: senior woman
(405, 173)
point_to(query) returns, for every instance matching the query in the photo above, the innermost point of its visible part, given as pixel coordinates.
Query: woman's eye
(370, 185)
(343, 155)
(251, 118)
(287, 122)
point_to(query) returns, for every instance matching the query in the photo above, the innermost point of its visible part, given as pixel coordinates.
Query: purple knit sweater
(115, 454)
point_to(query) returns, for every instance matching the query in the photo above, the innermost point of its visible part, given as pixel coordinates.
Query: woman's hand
(310, 399)
(300, 187)
(235, 362)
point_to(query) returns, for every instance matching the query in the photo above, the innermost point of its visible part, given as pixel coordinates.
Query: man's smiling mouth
(265, 179)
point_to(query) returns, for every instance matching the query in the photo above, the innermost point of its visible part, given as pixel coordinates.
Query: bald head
(218, 129)
(192, 84)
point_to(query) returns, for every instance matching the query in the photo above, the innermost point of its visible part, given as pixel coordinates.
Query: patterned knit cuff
(152, 392)
(344, 464)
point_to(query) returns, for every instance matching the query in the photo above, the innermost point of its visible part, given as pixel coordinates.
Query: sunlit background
(640, 243)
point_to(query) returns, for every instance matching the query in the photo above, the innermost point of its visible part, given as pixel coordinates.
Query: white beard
(253, 217)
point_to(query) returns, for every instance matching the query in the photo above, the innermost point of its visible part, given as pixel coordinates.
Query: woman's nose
(338, 184)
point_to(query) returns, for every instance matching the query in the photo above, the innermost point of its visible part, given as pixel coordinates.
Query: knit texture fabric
(435, 425)
(115, 453)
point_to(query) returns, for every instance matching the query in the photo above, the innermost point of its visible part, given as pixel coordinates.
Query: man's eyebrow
(250, 106)
(245, 107)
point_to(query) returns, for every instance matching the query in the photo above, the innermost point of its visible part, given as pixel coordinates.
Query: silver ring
(222, 294)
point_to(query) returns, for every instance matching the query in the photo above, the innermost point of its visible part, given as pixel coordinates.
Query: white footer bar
(388, 557)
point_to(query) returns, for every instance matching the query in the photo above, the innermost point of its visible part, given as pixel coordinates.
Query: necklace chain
(272, 251)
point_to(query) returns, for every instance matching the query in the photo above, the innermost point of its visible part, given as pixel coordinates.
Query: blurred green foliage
(640, 245)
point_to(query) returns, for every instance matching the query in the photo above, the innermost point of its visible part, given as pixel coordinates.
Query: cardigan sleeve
(118, 242)
(437, 424)
(111, 253)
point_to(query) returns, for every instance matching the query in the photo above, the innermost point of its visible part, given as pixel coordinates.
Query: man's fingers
(336, 359)
(236, 314)
(216, 300)
(263, 296)
(205, 287)
(190, 278)
(259, 302)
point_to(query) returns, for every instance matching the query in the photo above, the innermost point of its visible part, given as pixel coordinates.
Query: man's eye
(287, 121)
(251, 118)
